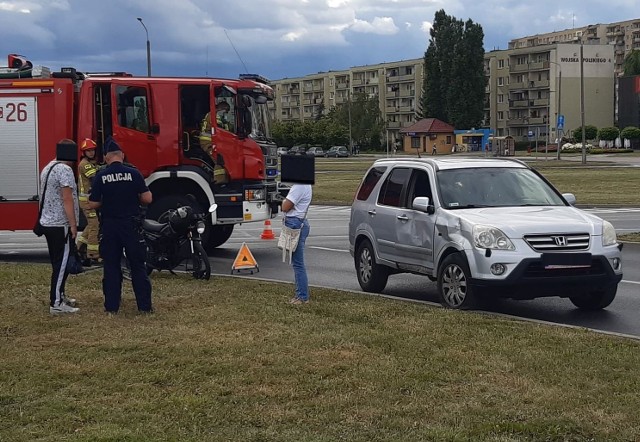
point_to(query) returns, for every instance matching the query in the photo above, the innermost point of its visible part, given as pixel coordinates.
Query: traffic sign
(560, 121)
(530, 134)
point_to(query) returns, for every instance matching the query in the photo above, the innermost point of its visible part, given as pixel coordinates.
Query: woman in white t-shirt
(295, 208)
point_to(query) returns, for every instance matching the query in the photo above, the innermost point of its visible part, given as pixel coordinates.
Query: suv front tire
(454, 287)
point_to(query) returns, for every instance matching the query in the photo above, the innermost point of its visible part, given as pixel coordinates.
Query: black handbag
(38, 230)
(74, 262)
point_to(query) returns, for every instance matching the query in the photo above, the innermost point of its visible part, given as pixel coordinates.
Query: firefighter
(205, 127)
(118, 191)
(88, 245)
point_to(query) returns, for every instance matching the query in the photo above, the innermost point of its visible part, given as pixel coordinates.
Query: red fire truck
(157, 122)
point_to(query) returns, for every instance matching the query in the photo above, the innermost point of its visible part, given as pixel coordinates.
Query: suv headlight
(609, 237)
(488, 237)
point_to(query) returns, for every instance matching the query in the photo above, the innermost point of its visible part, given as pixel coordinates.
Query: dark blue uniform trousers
(119, 234)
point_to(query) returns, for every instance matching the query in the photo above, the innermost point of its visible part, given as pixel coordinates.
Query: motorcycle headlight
(488, 237)
(609, 237)
(200, 227)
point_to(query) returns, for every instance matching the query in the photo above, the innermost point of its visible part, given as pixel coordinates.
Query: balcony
(538, 120)
(408, 93)
(520, 103)
(393, 124)
(541, 102)
(538, 65)
(539, 84)
(391, 110)
(519, 85)
(318, 87)
(519, 67)
(342, 85)
(517, 121)
(399, 78)
(358, 81)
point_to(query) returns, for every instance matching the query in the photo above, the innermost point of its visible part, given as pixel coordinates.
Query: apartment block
(529, 86)
(624, 36)
(397, 85)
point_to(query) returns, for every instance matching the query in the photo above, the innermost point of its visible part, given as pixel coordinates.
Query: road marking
(328, 249)
(630, 282)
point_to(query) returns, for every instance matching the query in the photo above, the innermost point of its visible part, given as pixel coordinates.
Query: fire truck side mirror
(155, 129)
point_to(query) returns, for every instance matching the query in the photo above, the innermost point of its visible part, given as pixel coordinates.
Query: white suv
(480, 227)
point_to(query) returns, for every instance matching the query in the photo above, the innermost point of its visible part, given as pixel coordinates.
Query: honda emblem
(561, 241)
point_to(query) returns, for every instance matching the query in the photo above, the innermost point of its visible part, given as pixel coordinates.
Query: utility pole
(350, 139)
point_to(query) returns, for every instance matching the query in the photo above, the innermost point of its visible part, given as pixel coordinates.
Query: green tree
(631, 64)
(608, 133)
(630, 133)
(366, 119)
(591, 132)
(454, 83)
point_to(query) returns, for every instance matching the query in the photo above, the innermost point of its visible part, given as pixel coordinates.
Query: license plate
(554, 261)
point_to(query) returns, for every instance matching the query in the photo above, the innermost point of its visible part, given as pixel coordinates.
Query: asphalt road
(329, 264)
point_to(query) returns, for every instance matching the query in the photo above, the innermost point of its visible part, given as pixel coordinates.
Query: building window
(500, 98)
(500, 64)
(415, 142)
(500, 115)
(448, 139)
(500, 81)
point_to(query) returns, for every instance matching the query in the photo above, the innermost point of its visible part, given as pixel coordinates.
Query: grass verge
(229, 359)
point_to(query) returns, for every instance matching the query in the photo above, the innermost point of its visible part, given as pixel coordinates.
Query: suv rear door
(384, 219)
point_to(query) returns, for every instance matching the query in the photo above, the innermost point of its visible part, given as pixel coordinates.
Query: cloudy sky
(275, 38)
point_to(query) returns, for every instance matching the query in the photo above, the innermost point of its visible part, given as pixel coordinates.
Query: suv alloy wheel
(454, 288)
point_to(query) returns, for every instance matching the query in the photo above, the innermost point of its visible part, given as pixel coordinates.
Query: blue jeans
(297, 259)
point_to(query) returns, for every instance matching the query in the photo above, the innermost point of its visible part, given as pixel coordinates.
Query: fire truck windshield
(260, 120)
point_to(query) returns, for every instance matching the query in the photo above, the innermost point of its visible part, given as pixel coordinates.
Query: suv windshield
(494, 187)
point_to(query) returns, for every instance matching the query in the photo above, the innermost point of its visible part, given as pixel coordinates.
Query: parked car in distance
(315, 151)
(480, 228)
(298, 149)
(337, 151)
(282, 151)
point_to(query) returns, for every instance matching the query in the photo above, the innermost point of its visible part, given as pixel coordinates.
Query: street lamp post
(584, 146)
(559, 112)
(148, 48)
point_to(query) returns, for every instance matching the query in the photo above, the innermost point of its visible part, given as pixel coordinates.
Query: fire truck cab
(158, 122)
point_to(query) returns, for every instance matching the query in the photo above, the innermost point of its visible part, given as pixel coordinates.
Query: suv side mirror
(570, 198)
(422, 204)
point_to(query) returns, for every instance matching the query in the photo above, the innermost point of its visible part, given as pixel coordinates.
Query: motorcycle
(173, 240)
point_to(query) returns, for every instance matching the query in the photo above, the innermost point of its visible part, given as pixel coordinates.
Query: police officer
(87, 169)
(118, 191)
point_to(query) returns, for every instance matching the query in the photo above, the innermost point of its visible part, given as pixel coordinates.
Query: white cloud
(379, 25)
(426, 26)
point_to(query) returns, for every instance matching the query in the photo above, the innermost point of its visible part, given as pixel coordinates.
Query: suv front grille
(558, 242)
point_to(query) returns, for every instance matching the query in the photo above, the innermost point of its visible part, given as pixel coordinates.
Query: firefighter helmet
(88, 144)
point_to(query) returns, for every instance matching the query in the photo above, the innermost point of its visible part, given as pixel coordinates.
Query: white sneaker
(70, 301)
(62, 308)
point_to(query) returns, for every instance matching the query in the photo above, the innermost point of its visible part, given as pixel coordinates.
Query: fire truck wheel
(218, 235)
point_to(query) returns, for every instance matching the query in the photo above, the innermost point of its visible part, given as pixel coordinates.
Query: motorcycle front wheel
(201, 267)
